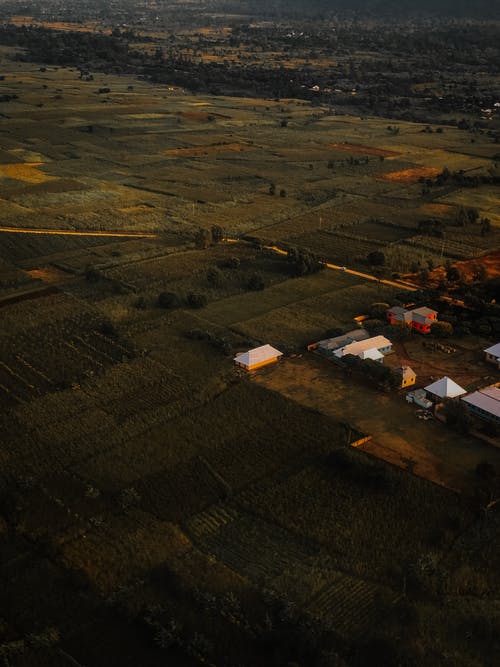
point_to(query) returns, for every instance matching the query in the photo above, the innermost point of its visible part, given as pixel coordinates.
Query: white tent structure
(444, 388)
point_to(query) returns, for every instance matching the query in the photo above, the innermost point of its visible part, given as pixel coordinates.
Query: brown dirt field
(366, 150)
(437, 209)
(467, 268)
(205, 150)
(411, 175)
(89, 26)
(25, 171)
(49, 275)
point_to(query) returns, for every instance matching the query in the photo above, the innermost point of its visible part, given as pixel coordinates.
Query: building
(407, 375)
(420, 319)
(484, 403)
(356, 342)
(493, 355)
(328, 345)
(258, 357)
(370, 348)
(444, 388)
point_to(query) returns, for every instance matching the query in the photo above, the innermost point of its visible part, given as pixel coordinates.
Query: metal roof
(257, 355)
(344, 339)
(494, 349)
(377, 342)
(372, 353)
(424, 311)
(487, 399)
(445, 388)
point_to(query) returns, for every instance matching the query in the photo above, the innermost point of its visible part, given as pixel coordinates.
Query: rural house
(419, 319)
(258, 357)
(484, 403)
(493, 354)
(330, 344)
(407, 375)
(444, 388)
(356, 342)
(371, 348)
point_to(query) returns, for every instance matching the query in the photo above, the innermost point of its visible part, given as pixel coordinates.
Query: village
(383, 365)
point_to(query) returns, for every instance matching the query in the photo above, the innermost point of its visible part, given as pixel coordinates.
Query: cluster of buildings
(483, 403)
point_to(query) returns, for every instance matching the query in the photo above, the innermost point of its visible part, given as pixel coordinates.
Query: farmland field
(147, 485)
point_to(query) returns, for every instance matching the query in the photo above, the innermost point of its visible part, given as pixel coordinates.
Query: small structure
(258, 357)
(493, 355)
(418, 397)
(407, 375)
(444, 388)
(484, 403)
(419, 319)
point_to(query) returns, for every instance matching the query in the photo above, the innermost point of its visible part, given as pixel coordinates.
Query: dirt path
(71, 232)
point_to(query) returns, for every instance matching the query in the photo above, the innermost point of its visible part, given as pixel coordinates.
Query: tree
(441, 329)
(197, 300)
(202, 238)
(485, 470)
(452, 274)
(215, 276)
(376, 258)
(256, 282)
(378, 310)
(217, 233)
(168, 300)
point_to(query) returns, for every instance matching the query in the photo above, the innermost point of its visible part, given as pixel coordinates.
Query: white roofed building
(485, 403)
(444, 388)
(493, 354)
(258, 357)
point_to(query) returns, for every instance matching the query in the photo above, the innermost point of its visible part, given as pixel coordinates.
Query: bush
(378, 310)
(215, 276)
(376, 258)
(442, 329)
(196, 300)
(230, 263)
(168, 300)
(256, 282)
(485, 470)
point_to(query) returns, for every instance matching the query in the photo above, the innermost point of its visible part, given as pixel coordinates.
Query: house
(493, 355)
(330, 344)
(407, 375)
(444, 388)
(420, 319)
(423, 318)
(484, 403)
(370, 348)
(258, 357)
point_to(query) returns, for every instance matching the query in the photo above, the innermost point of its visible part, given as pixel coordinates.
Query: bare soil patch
(411, 175)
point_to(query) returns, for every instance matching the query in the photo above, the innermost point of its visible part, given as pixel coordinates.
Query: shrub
(168, 300)
(215, 276)
(256, 282)
(442, 329)
(197, 300)
(376, 258)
